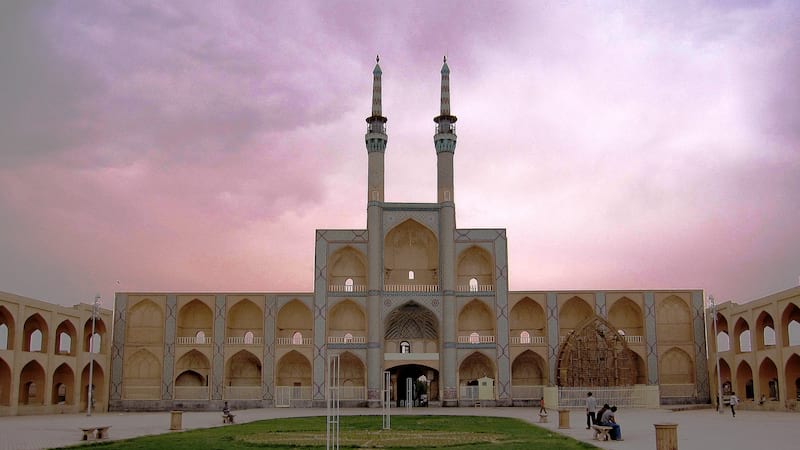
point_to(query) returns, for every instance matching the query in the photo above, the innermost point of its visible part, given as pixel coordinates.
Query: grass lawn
(362, 432)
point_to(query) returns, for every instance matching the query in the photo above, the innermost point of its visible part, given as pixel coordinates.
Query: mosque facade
(415, 300)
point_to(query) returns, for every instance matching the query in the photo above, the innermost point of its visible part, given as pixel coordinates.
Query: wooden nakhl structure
(595, 354)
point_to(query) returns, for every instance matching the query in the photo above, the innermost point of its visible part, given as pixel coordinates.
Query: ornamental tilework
(552, 335)
(268, 366)
(170, 328)
(600, 305)
(218, 355)
(701, 368)
(117, 347)
(650, 337)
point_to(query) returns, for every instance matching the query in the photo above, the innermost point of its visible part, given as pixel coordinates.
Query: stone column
(374, 304)
(650, 337)
(268, 366)
(117, 348)
(501, 308)
(700, 351)
(553, 341)
(218, 349)
(319, 310)
(449, 307)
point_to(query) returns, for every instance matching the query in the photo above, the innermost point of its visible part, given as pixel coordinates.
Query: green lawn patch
(433, 432)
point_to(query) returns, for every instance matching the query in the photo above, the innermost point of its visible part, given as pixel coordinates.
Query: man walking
(734, 400)
(591, 407)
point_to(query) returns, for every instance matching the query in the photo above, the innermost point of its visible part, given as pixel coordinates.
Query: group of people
(606, 417)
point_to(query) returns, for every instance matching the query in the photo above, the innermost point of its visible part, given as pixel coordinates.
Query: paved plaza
(697, 430)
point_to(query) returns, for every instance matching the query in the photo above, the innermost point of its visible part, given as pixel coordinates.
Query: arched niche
(141, 369)
(744, 381)
(626, 315)
(725, 375)
(5, 383)
(674, 320)
(6, 329)
(572, 313)
(345, 264)
(145, 324)
(595, 355)
(35, 334)
(31, 384)
(193, 317)
(475, 317)
(790, 325)
(475, 366)
(295, 317)
(63, 385)
(293, 369)
(676, 367)
(243, 369)
(346, 317)
(65, 339)
(765, 331)
(352, 372)
(192, 369)
(98, 391)
(97, 342)
(244, 316)
(768, 379)
(793, 377)
(412, 323)
(742, 332)
(411, 247)
(475, 263)
(527, 315)
(528, 369)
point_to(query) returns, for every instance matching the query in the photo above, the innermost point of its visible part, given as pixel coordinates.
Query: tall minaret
(445, 140)
(376, 146)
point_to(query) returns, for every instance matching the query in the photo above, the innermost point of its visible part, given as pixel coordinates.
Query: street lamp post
(90, 394)
(716, 354)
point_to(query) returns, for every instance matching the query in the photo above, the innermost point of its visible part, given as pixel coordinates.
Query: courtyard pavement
(697, 429)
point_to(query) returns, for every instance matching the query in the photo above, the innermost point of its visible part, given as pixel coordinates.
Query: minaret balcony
(376, 127)
(411, 287)
(445, 128)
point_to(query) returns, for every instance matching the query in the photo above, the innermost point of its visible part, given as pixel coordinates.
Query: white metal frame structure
(332, 431)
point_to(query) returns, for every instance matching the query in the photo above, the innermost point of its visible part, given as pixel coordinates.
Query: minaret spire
(376, 88)
(445, 103)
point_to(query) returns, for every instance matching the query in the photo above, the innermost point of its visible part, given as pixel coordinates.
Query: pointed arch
(63, 385)
(626, 315)
(674, 320)
(295, 317)
(293, 369)
(31, 384)
(676, 367)
(142, 368)
(411, 246)
(474, 263)
(475, 366)
(790, 324)
(243, 369)
(35, 334)
(345, 264)
(742, 332)
(193, 317)
(244, 316)
(527, 315)
(411, 321)
(768, 379)
(346, 316)
(765, 331)
(145, 323)
(95, 343)
(744, 380)
(792, 371)
(6, 329)
(595, 355)
(476, 317)
(528, 369)
(572, 313)
(65, 338)
(352, 371)
(99, 390)
(5, 383)
(192, 369)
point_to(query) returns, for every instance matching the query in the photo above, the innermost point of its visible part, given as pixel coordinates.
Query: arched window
(200, 337)
(744, 341)
(36, 342)
(621, 332)
(410, 274)
(405, 347)
(793, 331)
(297, 338)
(473, 285)
(474, 338)
(248, 337)
(94, 344)
(348, 338)
(4, 337)
(64, 343)
(524, 338)
(769, 335)
(348, 285)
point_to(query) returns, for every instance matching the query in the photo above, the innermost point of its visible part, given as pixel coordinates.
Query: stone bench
(100, 432)
(228, 418)
(601, 432)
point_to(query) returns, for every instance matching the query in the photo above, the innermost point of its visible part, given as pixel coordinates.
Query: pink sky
(186, 146)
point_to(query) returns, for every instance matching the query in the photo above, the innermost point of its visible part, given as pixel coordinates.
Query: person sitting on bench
(227, 417)
(609, 420)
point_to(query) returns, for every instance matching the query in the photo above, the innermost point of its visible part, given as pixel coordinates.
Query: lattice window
(595, 355)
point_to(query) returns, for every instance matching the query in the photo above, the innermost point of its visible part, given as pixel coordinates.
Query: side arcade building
(417, 297)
